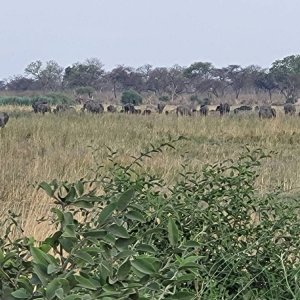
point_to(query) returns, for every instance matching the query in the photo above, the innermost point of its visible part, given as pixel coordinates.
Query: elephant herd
(92, 106)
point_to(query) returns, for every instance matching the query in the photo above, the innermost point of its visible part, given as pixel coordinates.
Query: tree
(176, 82)
(2, 85)
(238, 78)
(85, 90)
(21, 83)
(286, 73)
(220, 81)
(200, 77)
(132, 97)
(266, 81)
(158, 81)
(89, 73)
(48, 77)
(118, 77)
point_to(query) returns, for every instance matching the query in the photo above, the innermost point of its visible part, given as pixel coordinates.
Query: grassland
(34, 148)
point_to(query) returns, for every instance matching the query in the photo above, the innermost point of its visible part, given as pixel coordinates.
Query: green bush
(197, 99)
(85, 90)
(51, 98)
(128, 235)
(16, 101)
(132, 97)
(164, 98)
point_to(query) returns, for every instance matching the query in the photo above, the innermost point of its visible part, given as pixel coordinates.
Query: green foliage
(197, 99)
(128, 235)
(131, 96)
(85, 90)
(164, 98)
(51, 98)
(291, 100)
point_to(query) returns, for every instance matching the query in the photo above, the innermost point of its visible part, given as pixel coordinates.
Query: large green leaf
(146, 248)
(21, 294)
(118, 231)
(144, 265)
(42, 258)
(106, 212)
(173, 233)
(51, 288)
(83, 204)
(47, 188)
(84, 256)
(85, 282)
(135, 216)
(125, 199)
(124, 270)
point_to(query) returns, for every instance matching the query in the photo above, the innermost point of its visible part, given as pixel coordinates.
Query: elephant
(183, 111)
(63, 108)
(93, 107)
(41, 107)
(289, 109)
(160, 107)
(147, 112)
(4, 117)
(243, 108)
(129, 108)
(266, 112)
(204, 110)
(223, 108)
(111, 109)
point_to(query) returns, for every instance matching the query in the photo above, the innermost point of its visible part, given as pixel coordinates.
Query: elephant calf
(4, 117)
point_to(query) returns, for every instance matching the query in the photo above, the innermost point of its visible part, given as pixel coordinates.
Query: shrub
(291, 100)
(205, 101)
(16, 101)
(85, 90)
(195, 98)
(164, 98)
(132, 97)
(51, 98)
(210, 236)
(58, 98)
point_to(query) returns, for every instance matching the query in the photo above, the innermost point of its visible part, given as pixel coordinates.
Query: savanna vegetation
(118, 206)
(201, 82)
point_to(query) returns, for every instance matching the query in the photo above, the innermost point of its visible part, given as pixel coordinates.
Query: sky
(156, 32)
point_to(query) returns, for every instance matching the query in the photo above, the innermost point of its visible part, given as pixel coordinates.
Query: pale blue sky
(158, 32)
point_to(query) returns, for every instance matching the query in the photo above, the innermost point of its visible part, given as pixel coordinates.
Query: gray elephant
(289, 109)
(4, 117)
(243, 108)
(111, 108)
(204, 110)
(183, 111)
(63, 108)
(129, 108)
(161, 107)
(40, 106)
(223, 108)
(147, 112)
(93, 107)
(266, 112)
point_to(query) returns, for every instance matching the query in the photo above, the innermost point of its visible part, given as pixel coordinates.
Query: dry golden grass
(34, 148)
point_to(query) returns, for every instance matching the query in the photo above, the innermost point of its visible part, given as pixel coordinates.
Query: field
(35, 148)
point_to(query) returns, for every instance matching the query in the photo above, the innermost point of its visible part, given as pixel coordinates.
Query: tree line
(167, 83)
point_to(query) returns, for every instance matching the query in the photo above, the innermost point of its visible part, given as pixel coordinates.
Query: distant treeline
(200, 78)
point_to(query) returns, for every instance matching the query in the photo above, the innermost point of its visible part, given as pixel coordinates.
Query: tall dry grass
(34, 148)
